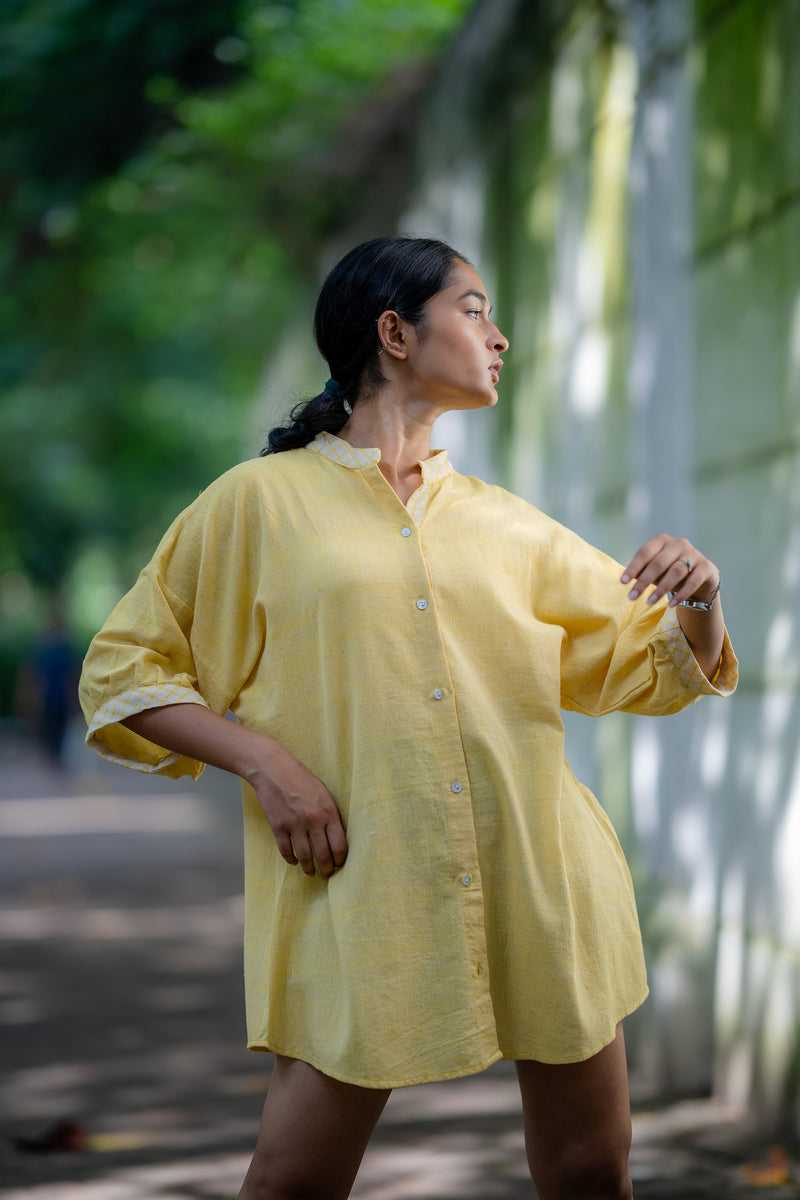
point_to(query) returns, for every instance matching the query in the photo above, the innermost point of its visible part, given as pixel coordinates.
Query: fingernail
(633, 594)
(652, 599)
(625, 578)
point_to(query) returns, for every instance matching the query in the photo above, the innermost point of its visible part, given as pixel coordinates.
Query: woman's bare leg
(578, 1126)
(314, 1131)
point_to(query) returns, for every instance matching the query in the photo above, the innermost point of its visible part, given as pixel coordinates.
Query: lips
(495, 369)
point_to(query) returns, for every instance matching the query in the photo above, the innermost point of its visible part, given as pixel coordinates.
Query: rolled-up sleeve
(188, 631)
(622, 655)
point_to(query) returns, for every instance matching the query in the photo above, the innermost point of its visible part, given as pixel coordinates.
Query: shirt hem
(583, 1057)
(266, 1045)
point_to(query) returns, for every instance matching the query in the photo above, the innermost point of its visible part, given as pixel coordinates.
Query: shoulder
(236, 511)
(506, 515)
(258, 474)
(266, 483)
(498, 503)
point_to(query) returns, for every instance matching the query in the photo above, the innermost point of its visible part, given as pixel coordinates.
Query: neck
(402, 433)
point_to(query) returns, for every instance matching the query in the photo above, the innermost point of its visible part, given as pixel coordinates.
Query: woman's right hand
(302, 813)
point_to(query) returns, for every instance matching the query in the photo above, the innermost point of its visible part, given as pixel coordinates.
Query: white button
(456, 787)
(466, 880)
(405, 533)
(437, 693)
(422, 604)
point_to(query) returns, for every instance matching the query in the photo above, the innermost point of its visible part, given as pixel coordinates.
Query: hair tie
(333, 388)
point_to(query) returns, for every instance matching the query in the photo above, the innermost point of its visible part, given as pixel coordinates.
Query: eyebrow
(479, 295)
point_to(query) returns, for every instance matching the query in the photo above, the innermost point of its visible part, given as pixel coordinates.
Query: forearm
(301, 811)
(196, 732)
(705, 632)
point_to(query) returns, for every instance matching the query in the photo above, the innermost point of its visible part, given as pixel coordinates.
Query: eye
(474, 312)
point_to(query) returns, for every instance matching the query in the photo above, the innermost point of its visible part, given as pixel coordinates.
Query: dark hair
(398, 273)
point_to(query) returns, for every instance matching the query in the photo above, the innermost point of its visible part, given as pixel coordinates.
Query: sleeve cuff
(128, 703)
(686, 665)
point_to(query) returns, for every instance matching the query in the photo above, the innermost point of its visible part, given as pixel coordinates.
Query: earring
(348, 408)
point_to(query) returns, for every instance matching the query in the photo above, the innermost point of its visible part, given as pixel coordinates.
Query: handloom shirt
(415, 658)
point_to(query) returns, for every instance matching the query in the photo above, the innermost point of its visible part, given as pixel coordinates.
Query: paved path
(121, 1009)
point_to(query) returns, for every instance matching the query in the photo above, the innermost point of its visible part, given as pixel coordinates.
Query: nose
(497, 340)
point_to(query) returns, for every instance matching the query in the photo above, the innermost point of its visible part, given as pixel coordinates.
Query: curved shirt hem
(265, 1045)
(584, 1057)
(433, 1077)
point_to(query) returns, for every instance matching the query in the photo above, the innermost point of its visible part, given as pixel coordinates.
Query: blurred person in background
(428, 887)
(46, 692)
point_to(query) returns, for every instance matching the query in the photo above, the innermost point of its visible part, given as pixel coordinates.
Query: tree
(169, 168)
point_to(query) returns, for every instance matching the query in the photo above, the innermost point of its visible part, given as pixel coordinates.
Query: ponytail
(326, 413)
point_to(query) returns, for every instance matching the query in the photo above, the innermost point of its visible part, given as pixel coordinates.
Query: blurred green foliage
(169, 170)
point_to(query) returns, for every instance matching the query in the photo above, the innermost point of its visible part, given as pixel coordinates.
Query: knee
(266, 1181)
(585, 1173)
(277, 1188)
(288, 1178)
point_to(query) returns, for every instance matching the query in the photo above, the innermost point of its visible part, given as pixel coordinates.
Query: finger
(303, 851)
(284, 843)
(654, 571)
(673, 578)
(672, 553)
(699, 580)
(337, 840)
(686, 588)
(642, 557)
(322, 853)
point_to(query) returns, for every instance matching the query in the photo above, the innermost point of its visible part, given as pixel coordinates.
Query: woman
(396, 641)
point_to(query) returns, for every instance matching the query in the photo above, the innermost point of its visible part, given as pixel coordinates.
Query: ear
(392, 331)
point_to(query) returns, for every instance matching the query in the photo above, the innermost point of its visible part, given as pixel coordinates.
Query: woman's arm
(674, 565)
(301, 811)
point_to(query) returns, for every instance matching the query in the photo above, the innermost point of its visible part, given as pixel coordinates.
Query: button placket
(436, 685)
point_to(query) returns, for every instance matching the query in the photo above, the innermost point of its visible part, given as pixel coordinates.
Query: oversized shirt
(415, 658)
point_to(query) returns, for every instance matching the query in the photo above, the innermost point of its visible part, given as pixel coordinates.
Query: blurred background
(176, 177)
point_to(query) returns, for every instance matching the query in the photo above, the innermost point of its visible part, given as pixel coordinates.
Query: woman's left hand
(672, 565)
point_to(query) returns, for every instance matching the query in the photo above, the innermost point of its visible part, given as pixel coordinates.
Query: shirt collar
(341, 452)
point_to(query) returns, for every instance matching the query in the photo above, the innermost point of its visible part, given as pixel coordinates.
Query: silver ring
(688, 562)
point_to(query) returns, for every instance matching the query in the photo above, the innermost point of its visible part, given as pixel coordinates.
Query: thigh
(314, 1131)
(578, 1124)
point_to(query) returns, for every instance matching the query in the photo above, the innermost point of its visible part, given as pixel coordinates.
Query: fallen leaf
(774, 1171)
(63, 1136)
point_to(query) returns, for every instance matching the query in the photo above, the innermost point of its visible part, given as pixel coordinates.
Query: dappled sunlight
(62, 816)
(589, 377)
(794, 361)
(786, 865)
(645, 778)
(120, 924)
(715, 748)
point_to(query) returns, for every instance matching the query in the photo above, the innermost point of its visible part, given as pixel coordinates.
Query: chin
(473, 400)
(488, 401)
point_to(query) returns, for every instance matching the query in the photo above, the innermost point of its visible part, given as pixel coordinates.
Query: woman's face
(455, 356)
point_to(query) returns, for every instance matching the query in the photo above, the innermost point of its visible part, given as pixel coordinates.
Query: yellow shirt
(415, 659)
